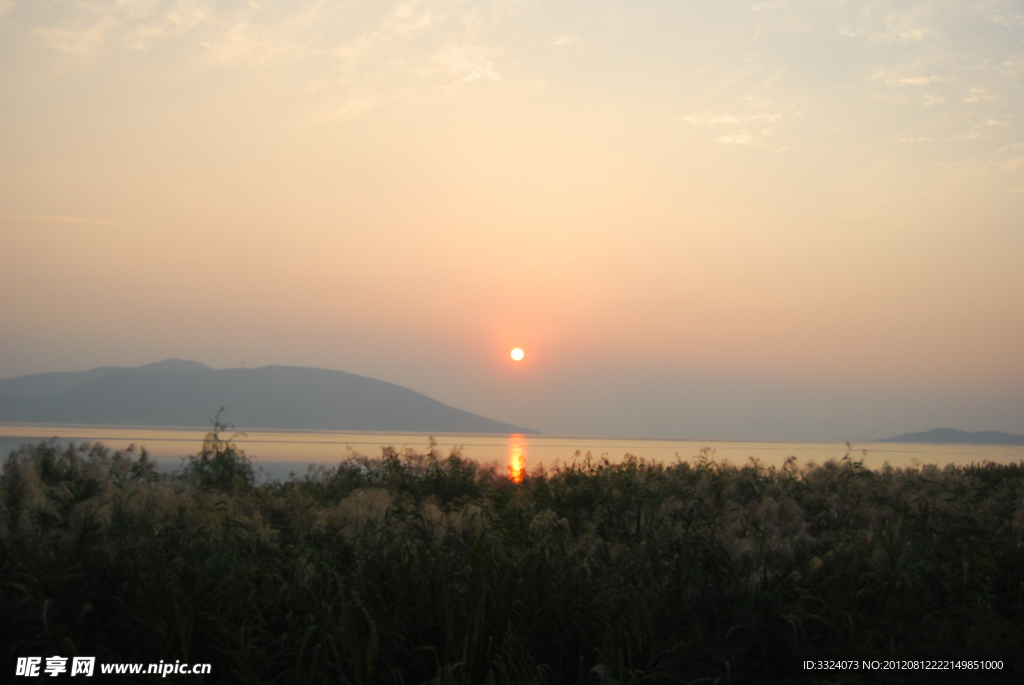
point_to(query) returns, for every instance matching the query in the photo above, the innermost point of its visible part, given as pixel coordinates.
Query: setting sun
(517, 354)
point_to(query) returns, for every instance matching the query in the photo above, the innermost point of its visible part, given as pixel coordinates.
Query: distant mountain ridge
(176, 392)
(951, 436)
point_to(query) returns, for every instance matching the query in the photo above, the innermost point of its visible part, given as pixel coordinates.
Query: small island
(951, 436)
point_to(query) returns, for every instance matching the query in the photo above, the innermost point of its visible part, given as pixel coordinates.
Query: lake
(279, 453)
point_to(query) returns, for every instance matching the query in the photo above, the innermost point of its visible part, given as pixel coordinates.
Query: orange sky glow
(794, 220)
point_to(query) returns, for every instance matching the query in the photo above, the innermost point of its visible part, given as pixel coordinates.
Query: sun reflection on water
(516, 458)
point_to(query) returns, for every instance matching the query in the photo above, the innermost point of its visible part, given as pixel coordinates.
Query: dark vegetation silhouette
(220, 466)
(416, 568)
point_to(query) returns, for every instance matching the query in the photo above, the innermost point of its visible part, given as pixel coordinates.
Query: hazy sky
(784, 220)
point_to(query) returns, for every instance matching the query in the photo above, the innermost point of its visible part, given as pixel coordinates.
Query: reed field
(430, 568)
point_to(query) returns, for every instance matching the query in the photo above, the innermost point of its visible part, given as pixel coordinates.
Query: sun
(517, 354)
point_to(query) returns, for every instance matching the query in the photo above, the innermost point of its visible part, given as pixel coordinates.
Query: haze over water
(284, 452)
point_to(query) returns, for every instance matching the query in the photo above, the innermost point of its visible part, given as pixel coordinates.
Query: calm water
(282, 452)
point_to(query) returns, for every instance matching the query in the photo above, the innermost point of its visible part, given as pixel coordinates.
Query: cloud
(263, 35)
(918, 80)
(1014, 66)
(920, 139)
(85, 27)
(247, 44)
(465, 63)
(1012, 164)
(743, 138)
(78, 41)
(361, 55)
(1007, 19)
(405, 21)
(710, 118)
(561, 41)
(740, 135)
(256, 33)
(976, 129)
(907, 80)
(182, 17)
(882, 24)
(914, 34)
(189, 13)
(977, 95)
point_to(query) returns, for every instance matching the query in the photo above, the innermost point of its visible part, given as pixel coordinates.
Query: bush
(220, 466)
(413, 568)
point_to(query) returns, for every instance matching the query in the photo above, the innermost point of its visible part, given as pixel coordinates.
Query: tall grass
(417, 568)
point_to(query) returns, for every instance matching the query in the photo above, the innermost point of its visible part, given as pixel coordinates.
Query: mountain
(175, 392)
(949, 436)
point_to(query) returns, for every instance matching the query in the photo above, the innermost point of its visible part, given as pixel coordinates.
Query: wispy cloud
(740, 125)
(254, 34)
(742, 138)
(84, 41)
(915, 80)
(1012, 164)
(353, 56)
(899, 75)
(1015, 19)
(85, 27)
(978, 94)
(978, 128)
(914, 34)
(1013, 67)
(712, 118)
(915, 22)
(465, 63)
(910, 25)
